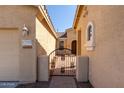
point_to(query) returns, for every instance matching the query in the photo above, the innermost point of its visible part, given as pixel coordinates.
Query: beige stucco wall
(65, 43)
(82, 69)
(80, 32)
(43, 68)
(46, 41)
(14, 17)
(71, 35)
(9, 55)
(57, 43)
(61, 39)
(106, 62)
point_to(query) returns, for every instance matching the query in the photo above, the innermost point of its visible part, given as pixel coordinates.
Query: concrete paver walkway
(56, 82)
(62, 82)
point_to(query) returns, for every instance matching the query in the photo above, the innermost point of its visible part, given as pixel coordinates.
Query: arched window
(90, 36)
(89, 33)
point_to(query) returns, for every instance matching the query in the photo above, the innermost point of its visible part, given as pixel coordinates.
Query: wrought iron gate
(62, 62)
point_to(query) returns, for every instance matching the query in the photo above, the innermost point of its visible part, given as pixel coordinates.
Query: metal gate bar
(62, 62)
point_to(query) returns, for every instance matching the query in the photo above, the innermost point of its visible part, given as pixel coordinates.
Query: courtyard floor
(62, 82)
(57, 82)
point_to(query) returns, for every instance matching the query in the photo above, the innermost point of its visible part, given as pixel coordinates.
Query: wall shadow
(40, 49)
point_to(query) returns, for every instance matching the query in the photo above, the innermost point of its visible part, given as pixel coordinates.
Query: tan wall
(43, 68)
(9, 55)
(57, 43)
(80, 31)
(46, 41)
(71, 35)
(65, 43)
(82, 67)
(15, 17)
(79, 40)
(61, 39)
(106, 62)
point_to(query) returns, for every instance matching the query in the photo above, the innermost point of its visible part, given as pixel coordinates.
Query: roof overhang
(77, 15)
(44, 15)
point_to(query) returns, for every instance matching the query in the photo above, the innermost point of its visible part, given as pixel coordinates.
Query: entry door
(73, 47)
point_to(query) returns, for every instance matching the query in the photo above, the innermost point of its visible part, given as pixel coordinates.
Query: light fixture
(25, 30)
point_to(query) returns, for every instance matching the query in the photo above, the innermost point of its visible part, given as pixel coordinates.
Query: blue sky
(62, 16)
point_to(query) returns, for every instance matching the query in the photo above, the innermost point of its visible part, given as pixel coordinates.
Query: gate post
(43, 68)
(82, 70)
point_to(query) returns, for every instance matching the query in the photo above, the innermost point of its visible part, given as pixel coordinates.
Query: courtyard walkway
(63, 82)
(57, 82)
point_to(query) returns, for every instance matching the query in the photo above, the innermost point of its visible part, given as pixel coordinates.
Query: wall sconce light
(25, 31)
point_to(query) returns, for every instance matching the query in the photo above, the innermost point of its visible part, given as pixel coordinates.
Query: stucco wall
(106, 62)
(15, 17)
(65, 43)
(61, 39)
(46, 41)
(80, 31)
(71, 35)
(9, 51)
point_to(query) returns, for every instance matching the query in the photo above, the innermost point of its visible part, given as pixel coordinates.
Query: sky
(62, 16)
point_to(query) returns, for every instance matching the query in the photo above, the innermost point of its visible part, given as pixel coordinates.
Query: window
(90, 36)
(61, 44)
(89, 33)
